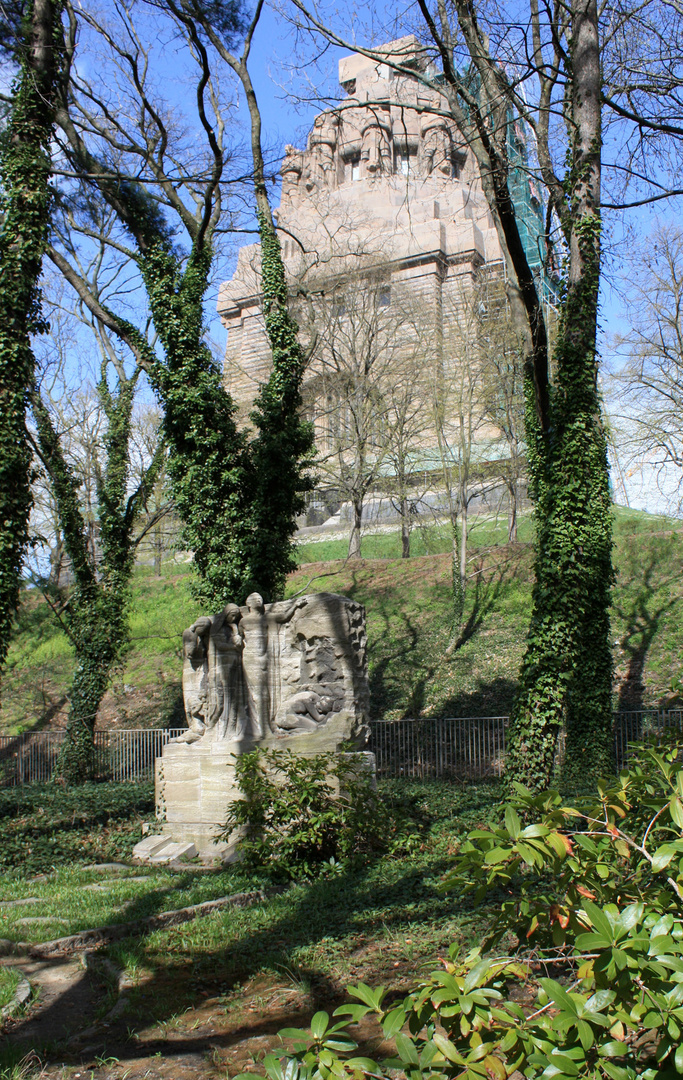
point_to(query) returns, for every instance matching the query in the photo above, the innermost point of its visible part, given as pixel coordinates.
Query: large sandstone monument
(289, 675)
(387, 190)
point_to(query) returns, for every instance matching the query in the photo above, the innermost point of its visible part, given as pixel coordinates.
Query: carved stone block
(287, 675)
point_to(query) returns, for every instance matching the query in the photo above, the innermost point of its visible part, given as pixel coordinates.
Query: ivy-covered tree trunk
(95, 614)
(283, 447)
(208, 462)
(566, 675)
(238, 497)
(25, 167)
(236, 492)
(99, 633)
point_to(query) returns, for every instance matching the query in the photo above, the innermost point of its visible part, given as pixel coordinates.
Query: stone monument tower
(385, 186)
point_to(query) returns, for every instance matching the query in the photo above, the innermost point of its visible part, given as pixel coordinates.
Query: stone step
(35, 920)
(149, 846)
(172, 851)
(108, 867)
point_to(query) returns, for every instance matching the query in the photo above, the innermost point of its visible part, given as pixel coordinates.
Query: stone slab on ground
(22, 903)
(102, 935)
(174, 850)
(148, 846)
(108, 867)
(35, 920)
(13, 948)
(21, 995)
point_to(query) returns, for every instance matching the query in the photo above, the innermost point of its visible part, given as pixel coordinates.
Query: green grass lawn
(379, 921)
(426, 539)
(9, 981)
(412, 672)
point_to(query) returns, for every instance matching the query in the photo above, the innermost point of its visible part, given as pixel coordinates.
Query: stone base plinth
(195, 783)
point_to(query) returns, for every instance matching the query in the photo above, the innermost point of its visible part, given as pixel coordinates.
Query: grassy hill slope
(412, 671)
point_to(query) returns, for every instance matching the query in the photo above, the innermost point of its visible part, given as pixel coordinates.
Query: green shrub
(299, 816)
(593, 986)
(43, 826)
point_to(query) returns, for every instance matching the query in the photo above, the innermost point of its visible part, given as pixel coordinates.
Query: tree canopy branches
(237, 494)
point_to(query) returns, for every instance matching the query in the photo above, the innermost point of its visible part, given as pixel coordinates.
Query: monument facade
(386, 186)
(287, 675)
(394, 264)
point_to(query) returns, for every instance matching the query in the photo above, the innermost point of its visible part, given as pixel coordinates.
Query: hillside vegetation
(412, 670)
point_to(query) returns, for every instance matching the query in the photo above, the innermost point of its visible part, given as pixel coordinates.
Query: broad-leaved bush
(300, 816)
(582, 974)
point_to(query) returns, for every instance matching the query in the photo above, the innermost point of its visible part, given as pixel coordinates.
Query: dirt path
(215, 1036)
(66, 996)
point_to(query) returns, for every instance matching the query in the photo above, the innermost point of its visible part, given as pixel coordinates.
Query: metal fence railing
(475, 746)
(457, 746)
(119, 755)
(633, 727)
(460, 747)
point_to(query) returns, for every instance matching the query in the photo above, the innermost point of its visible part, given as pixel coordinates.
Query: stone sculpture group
(289, 675)
(233, 670)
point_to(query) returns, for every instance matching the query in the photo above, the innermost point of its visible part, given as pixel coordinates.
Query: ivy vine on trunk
(237, 492)
(566, 675)
(95, 612)
(25, 205)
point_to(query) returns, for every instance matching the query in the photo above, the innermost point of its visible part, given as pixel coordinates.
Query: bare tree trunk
(355, 537)
(457, 589)
(158, 543)
(463, 546)
(512, 511)
(405, 529)
(56, 558)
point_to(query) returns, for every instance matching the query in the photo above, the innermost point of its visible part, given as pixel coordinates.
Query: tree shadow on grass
(400, 639)
(321, 912)
(487, 590)
(493, 697)
(296, 930)
(642, 614)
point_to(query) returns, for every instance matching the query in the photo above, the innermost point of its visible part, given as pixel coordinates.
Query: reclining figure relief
(262, 673)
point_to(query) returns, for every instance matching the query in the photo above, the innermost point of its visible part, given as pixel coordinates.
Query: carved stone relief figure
(291, 169)
(305, 711)
(276, 670)
(260, 660)
(376, 150)
(195, 679)
(437, 150)
(330, 678)
(322, 145)
(227, 710)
